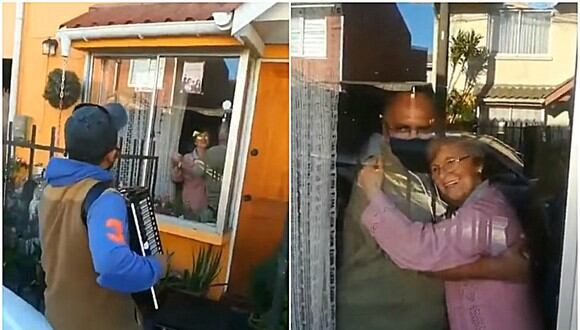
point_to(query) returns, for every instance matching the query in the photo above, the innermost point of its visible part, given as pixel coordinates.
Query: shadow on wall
(6, 77)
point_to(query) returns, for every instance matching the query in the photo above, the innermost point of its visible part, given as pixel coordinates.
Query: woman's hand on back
(510, 266)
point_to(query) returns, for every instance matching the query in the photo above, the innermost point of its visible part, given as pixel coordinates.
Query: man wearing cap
(90, 269)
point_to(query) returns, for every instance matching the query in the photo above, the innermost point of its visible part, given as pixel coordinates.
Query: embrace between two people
(423, 257)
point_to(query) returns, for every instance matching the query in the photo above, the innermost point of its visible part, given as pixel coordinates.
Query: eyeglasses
(450, 165)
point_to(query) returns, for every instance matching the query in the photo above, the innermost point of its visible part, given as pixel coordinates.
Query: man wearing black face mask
(373, 293)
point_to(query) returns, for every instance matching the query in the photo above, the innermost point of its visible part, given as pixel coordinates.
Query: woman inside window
(189, 169)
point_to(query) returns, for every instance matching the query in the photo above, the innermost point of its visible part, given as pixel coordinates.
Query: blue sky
(419, 19)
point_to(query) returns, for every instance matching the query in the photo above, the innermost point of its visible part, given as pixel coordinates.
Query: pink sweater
(194, 193)
(485, 225)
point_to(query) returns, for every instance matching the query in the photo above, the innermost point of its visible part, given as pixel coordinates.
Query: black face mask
(412, 153)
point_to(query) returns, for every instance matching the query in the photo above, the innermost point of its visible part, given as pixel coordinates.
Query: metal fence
(132, 168)
(518, 134)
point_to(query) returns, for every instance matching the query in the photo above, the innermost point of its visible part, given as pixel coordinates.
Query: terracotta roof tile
(526, 92)
(134, 13)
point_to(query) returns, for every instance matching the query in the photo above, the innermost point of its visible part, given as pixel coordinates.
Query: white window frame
(301, 19)
(233, 168)
(490, 33)
(568, 293)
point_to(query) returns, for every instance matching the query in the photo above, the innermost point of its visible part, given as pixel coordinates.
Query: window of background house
(191, 115)
(516, 114)
(500, 114)
(520, 32)
(308, 37)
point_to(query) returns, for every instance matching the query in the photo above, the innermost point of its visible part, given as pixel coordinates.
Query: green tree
(468, 60)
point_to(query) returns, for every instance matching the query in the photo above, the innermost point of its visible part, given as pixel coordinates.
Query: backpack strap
(95, 192)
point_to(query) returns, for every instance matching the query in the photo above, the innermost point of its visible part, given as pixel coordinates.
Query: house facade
(532, 58)
(347, 42)
(178, 68)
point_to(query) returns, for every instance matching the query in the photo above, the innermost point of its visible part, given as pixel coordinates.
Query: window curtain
(534, 33)
(314, 40)
(508, 31)
(314, 120)
(133, 135)
(169, 124)
(314, 123)
(308, 36)
(526, 35)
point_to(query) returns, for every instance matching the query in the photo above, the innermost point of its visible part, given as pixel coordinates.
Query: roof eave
(519, 101)
(140, 30)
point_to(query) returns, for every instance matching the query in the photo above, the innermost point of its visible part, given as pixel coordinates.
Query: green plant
(71, 92)
(468, 60)
(205, 269)
(460, 106)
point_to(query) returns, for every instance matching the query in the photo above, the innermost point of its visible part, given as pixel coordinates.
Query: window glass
(128, 81)
(522, 32)
(191, 137)
(191, 121)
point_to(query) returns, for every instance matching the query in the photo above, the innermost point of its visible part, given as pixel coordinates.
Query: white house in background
(530, 73)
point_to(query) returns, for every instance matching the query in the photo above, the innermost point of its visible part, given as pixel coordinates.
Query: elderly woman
(484, 225)
(189, 169)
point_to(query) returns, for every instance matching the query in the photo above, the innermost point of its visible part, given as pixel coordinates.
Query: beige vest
(74, 300)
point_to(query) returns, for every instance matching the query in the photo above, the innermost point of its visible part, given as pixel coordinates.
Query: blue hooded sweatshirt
(118, 267)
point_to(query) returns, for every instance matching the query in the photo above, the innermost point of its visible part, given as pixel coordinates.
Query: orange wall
(261, 220)
(41, 20)
(8, 17)
(185, 248)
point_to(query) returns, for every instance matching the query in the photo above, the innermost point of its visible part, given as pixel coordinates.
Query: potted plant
(71, 91)
(205, 269)
(185, 302)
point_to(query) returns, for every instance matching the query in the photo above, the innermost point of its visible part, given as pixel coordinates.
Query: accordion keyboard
(150, 232)
(144, 236)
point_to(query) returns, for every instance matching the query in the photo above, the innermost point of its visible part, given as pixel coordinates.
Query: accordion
(143, 234)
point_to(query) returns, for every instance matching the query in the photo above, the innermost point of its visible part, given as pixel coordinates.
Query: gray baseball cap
(91, 131)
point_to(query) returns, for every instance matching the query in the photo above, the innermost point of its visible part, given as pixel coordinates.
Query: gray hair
(471, 147)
